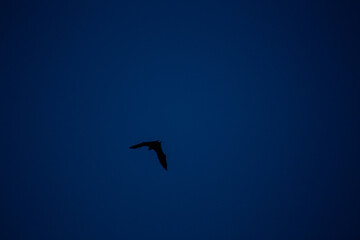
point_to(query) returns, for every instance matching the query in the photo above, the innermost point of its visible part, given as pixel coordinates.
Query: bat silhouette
(156, 146)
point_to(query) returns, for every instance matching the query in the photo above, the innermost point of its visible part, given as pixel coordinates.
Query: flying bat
(156, 146)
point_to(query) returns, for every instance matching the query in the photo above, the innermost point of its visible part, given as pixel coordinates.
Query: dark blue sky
(256, 103)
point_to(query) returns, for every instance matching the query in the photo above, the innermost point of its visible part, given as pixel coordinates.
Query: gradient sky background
(256, 103)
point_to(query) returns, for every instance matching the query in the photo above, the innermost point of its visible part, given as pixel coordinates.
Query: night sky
(256, 104)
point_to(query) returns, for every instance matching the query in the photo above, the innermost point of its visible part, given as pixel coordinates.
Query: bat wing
(143, 144)
(162, 157)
